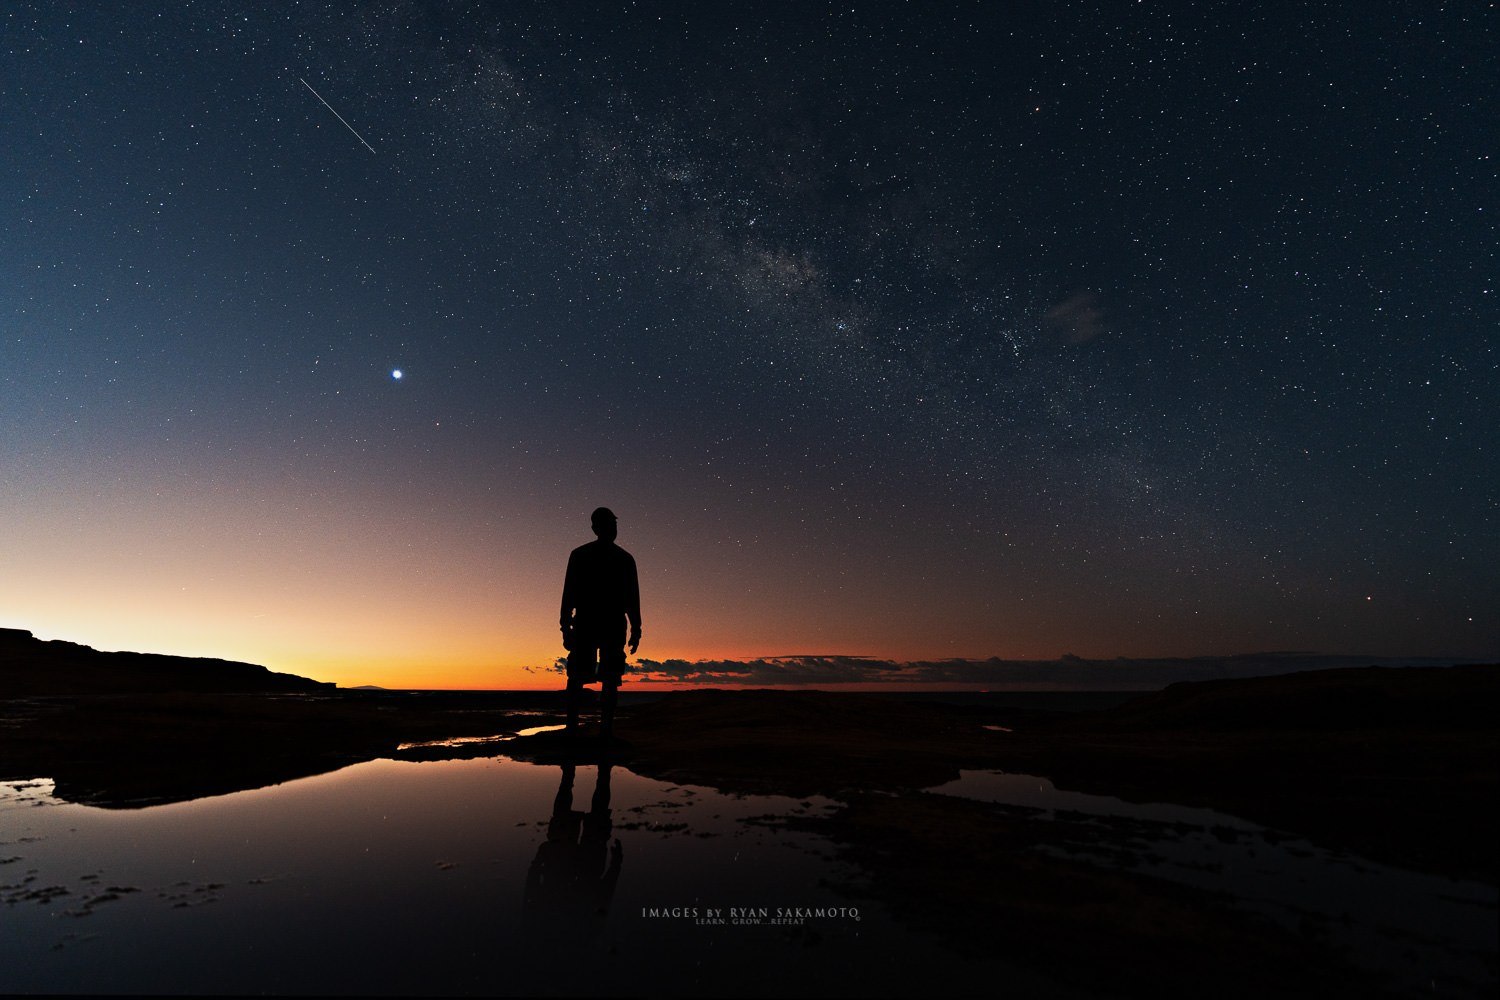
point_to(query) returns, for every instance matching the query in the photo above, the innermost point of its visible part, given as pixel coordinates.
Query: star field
(909, 332)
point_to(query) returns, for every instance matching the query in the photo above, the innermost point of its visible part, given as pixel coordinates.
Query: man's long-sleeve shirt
(601, 585)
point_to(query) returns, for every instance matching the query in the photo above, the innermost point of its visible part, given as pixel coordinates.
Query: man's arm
(633, 605)
(569, 595)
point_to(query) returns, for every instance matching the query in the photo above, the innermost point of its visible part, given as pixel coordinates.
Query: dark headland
(31, 666)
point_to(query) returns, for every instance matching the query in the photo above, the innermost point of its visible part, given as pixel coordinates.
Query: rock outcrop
(31, 667)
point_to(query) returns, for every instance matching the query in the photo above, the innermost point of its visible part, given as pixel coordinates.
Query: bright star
(396, 374)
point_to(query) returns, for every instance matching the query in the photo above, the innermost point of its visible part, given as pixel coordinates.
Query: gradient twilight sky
(905, 331)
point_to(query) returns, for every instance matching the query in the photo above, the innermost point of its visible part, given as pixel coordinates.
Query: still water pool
(470, 876)
(494, 876)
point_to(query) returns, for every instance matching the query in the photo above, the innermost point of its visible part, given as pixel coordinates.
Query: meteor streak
(337, 115)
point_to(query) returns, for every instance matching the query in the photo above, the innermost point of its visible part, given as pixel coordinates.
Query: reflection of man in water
(570, 884)
(599, 593)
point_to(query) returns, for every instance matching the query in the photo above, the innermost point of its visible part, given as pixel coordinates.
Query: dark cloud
(1066, 672)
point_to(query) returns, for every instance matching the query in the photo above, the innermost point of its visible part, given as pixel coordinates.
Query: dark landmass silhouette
(30, 666)
(1396, 765)
(1368, 698)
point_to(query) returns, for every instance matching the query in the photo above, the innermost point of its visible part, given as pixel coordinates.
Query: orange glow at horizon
(357, 585)
(357, 580)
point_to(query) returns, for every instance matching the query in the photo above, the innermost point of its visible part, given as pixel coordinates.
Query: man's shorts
(597, 654)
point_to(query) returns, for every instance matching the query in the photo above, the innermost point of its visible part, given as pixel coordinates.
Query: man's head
(603, 520)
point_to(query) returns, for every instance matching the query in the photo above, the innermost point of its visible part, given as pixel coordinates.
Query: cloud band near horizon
(1067, 671)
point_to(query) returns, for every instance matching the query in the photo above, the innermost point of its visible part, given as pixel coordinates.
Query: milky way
(971, 330)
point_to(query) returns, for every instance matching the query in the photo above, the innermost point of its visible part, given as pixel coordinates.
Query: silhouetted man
(600, 593)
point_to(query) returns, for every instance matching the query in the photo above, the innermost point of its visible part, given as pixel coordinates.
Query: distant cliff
(29, 666)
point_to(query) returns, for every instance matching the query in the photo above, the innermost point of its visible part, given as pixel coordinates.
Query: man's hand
(567, 636)
(635, 640)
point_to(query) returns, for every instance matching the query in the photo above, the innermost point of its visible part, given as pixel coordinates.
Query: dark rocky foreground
(131, 750)
(1399, 766)
(1396, 765)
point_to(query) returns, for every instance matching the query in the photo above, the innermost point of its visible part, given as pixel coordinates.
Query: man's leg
(575, 686)
(611, 673)
(607, 707)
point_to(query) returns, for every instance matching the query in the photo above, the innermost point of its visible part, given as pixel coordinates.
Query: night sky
(915, 331)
